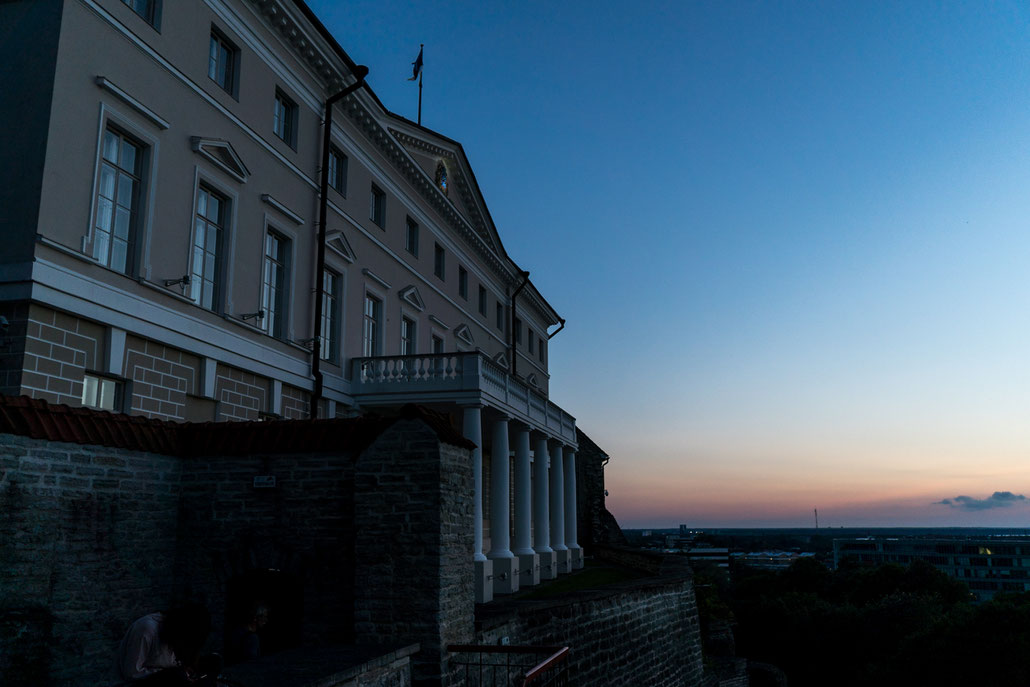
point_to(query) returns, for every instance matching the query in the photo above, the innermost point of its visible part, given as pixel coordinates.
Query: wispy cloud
(999, 499)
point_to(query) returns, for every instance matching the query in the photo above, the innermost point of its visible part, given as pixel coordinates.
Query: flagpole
(420, 71)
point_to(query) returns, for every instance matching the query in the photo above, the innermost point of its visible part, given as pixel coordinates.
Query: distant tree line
(861, 626)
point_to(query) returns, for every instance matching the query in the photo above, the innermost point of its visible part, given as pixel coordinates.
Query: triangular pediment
(223, 155)
(502, 360)
(411, 296)
(448, 173)
(336, 241)
(464, 334)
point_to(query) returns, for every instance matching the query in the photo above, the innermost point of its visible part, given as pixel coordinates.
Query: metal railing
(511, 666)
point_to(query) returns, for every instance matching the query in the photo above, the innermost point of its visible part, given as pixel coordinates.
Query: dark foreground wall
(87, 544)
(638, 633)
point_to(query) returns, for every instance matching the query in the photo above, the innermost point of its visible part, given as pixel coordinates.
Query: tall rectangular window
(529, 335)
(329, 348)
(338, 170)
(437, 344)
(209, 224)
(463, 282)
(540, 349)
(407, 336)
(482, 301)
(499, 315)
(284, 120)
(149, 10)
(370, 330)
(440, 262)
(274, 299)
(411, 241)
(118, 194)
(518, 330)
(223, 62)
(377, 206)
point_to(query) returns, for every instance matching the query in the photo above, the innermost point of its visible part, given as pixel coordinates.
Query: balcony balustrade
(462, 376)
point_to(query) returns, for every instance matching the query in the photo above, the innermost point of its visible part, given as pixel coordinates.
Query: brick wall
(413, 537)
(87, 539)
(161, 378)
(58, 350)
(639, 633)
(301, 527)
(296, 403)
(241, 395)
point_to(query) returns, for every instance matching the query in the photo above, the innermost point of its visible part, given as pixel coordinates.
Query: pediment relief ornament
(411, 296)
(337, 242)
(223, 155)
(465, 334)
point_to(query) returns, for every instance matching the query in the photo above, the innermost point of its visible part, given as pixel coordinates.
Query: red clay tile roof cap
(38, 419)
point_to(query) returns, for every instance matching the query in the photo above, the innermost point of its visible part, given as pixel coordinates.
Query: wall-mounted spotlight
(260, 314)
(184, 280)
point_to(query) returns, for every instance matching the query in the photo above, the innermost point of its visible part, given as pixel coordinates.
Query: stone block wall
(12, 346)
(640, 633)
(414, 536)
(596, 525)
(161, 378)
(241, 395)
(87, 543)
(302, 527)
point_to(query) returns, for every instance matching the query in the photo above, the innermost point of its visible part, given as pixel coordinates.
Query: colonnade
(548, 502)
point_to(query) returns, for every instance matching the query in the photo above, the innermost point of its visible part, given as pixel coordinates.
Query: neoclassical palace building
(163, 254)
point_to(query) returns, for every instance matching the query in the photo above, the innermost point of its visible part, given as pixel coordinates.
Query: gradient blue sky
(790, 239)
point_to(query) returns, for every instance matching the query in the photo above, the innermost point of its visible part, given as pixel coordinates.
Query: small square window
(284, 121)
(463, 282)
(482, 301)
(377, 206)
(100, 392)
(338, 170)
(440, 262)
(411, 242)
(223, 62)
(149, 10)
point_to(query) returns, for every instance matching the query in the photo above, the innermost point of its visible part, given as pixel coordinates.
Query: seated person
(163, 648)
(244, 642)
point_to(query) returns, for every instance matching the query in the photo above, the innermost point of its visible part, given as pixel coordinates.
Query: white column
(523, 493)
(529, 561)
(541, 512)
(571, 516)
(505, 580)
(558, 510)
(473, 431)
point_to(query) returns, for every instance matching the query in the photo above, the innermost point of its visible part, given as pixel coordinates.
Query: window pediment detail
(531, 380)
(338, 243)
(502, 360)
(223, 155)
(465, 334)
(411, 296)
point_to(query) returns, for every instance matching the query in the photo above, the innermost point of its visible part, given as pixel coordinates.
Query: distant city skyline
(790, 239)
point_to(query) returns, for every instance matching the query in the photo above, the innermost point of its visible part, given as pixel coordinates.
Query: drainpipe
(360, 72)
(511, 331)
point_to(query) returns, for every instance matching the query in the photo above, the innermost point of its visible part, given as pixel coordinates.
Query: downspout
(360, 72)
(511, 329)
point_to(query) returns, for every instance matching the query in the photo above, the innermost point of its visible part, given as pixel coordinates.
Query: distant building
(769, 560)
(720, 557)
(987, 565)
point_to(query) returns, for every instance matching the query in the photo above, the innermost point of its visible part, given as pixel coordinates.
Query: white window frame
(285, 317)
(139, 264)
(380, 324)
(202, 177)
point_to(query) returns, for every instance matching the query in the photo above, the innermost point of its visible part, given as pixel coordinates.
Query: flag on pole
(416, 66)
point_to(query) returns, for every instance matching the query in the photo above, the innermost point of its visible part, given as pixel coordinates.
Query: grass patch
(593, 576)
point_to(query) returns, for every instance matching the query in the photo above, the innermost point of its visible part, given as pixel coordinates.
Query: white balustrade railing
(460, 372)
